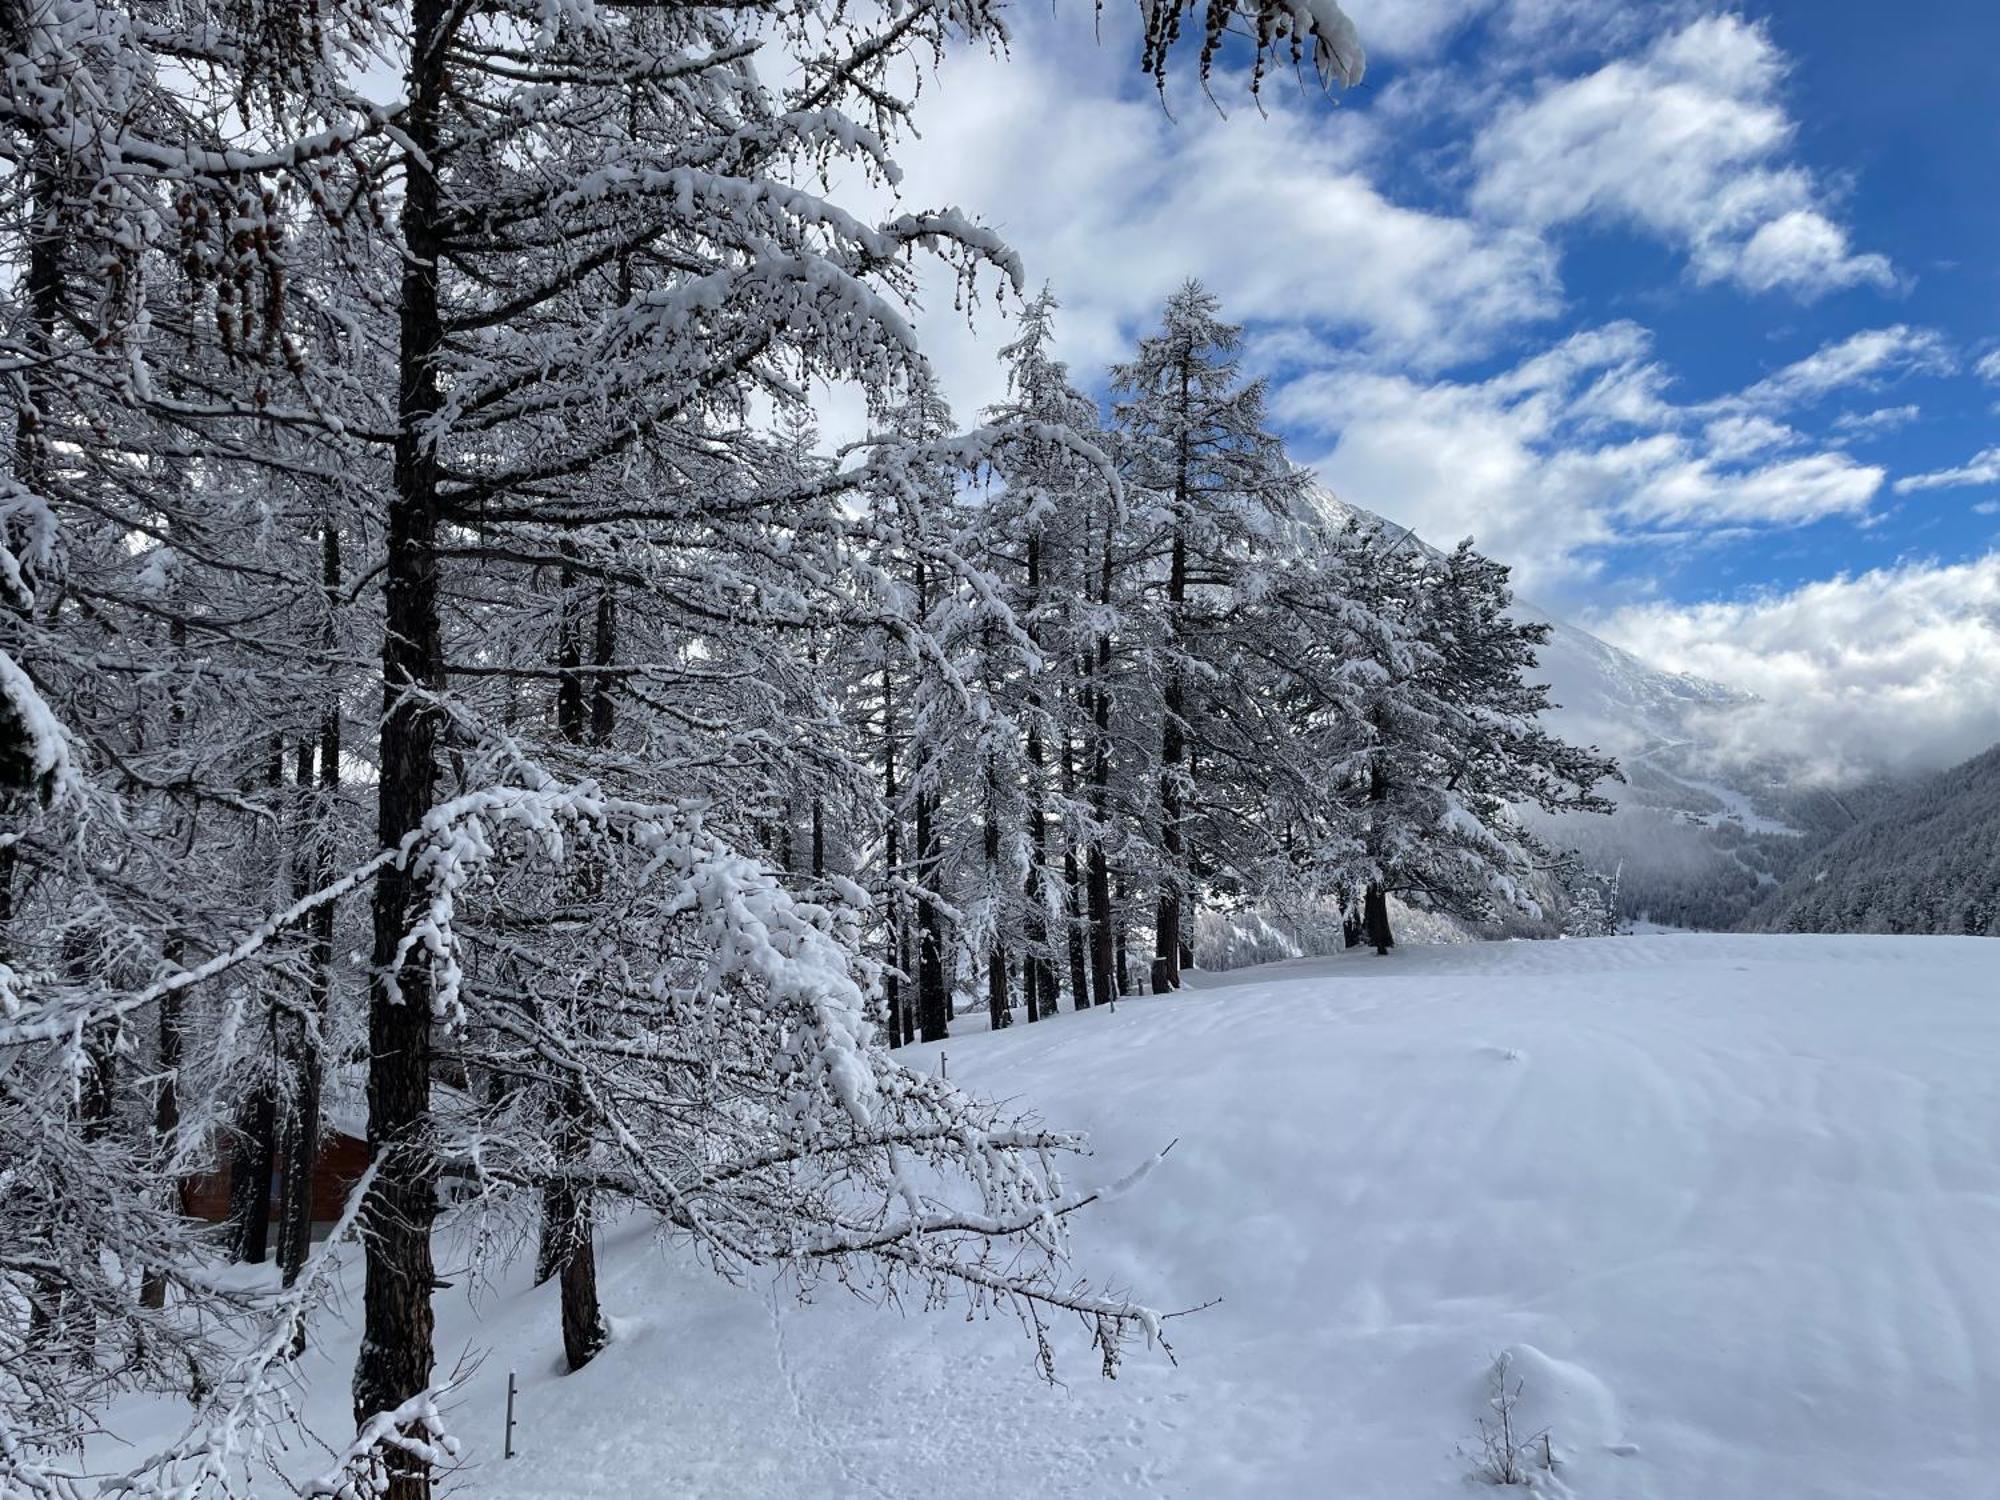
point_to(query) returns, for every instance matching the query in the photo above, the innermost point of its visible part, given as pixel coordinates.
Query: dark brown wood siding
(342, 1160)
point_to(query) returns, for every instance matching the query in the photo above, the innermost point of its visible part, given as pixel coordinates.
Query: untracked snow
(1724, 1211)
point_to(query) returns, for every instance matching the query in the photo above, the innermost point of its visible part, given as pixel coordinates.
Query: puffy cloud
(1788, 493)
(1686, 142)
(1983, 468)
(1988, 368)
(1899, 667)
(1574, 450)
(1803, 250)
(1115, 202)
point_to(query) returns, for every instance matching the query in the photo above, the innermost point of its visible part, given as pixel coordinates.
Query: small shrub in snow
(1506, 1455)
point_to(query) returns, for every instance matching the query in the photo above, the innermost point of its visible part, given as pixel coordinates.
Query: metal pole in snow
(507, 1444)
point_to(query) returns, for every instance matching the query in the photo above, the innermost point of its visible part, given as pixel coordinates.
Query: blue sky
(1679, 308)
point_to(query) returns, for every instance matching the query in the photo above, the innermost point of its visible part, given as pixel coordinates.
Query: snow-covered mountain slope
(1610, 697)
(1730, 1204)
(1698, 838)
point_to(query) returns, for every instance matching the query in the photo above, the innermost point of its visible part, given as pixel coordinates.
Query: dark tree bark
(997, 1007)
(1103, 960)
(254, 1163)
(603, 652)
(173, 951)
(397, 1322)
(569, 1245)
(1173, 729)
(892, 858)
(302, 1141)
(1038, 971)
(1120, 939)
(569, 1239)
(1074, 907)
(933, 989)
(1375, 903)
(253, 1170)
(998, 1010)
(1375, 920)
(299, 1143)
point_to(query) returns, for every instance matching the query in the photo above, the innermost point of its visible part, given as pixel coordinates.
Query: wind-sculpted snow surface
(1723, 1209)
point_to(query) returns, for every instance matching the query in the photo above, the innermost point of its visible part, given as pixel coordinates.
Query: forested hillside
(1926, 860)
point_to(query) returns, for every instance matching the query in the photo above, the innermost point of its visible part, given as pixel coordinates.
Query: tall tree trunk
(1038, 970)
(906, 960)
(569, 1246)
(583, 1327)
(1375, 920)
(1173, 729)
(1076, 920)
(1103, 959)
(299, 1143)
(173, 951)
(559, 1209)
(96, 1106)
(892, 863)
(303, 1142)
(569, 1237)
(933, 988)
(254, 1165)
(1375, 904)
(1120, 938)
(396, 1356)
(997, 1008)
(253, 1170)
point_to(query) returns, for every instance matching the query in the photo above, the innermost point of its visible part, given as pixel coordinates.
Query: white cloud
(1864, 359)
(1741, 437)
(1411, 30)
(1899, 667)
(1686, 142)
(1804, 251)
(1116, 202)
(1699, 491)
(1988, 368)
(1982, 468)
(1574, 450)
(1882, 419)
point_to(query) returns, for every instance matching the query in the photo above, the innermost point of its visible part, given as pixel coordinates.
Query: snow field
(1727, 1209)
